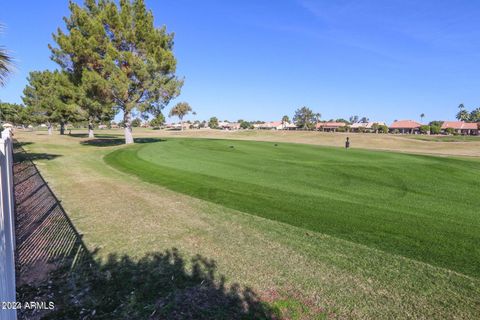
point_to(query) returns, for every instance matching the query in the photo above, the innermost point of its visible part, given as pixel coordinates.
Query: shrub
(245, 125)
(383, 129)
(158, 121)
(450, 131)
(213, 123)
(136, 122)
(435, 129)
(436, 123)
(425, 129)
(375, 127)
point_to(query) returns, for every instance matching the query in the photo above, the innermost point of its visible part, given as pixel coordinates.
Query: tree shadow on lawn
(21, 156)
(110, 142)
(100, 135)
(53, 264)
(22, 144)
(37, 156)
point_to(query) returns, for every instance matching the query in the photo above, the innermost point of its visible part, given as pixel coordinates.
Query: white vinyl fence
(7, 229)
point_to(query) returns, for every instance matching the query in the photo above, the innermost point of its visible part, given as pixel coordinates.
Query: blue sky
(259, 59)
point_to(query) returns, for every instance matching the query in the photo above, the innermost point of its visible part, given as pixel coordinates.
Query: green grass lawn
(420, 207)
(123, 220)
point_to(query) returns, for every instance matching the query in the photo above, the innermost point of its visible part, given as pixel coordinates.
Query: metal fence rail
(7, 229)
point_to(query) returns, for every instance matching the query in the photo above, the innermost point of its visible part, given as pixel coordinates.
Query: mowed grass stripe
(421, 207)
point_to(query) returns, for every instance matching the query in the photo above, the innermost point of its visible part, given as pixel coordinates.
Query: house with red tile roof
(461, 127)
(405, 126)
(330, 126)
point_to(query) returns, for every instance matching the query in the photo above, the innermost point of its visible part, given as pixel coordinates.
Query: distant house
(367, 126)
(176, 126)
(330, 126)
(289, 126)
(405, 126)
(196, 125)
(461, 127)
(225, 125)
(102, 126)
(272, 125)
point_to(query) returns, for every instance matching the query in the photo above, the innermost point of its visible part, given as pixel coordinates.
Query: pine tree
(118, 45)
(93, 98)
(51, 97)
(304, 118)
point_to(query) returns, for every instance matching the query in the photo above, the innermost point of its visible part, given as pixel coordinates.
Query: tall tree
(12, 112)
(180, 110)
(304, 117)
(5, 64)
(52, 98)
(317, 117)
(354, 119)
(475, 115)
(285, 120)
(158, 121)
(121, 45)
(16, 114)
(462, 114)
(422, 116)
(213, 123)
(93, 99)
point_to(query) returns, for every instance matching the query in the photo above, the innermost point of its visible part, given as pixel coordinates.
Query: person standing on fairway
(347, 143)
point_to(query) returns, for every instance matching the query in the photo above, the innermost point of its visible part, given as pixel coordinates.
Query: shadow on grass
(23, 143)
(85, 135)
(37, 156)
(110, 142)
(53, 264)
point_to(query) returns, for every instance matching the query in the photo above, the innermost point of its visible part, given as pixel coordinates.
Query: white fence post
(7, 229)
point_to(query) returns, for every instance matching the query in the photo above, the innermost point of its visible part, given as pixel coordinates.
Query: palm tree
(475, 115)
(317, 117)
(285, 120)
(463, 114)
(5, 64)
(180, 110)
(422, 116)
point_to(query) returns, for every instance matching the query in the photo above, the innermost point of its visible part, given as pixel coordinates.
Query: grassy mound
(421, 207)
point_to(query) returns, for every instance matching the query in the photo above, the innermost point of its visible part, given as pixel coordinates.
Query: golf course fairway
(421, 207)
